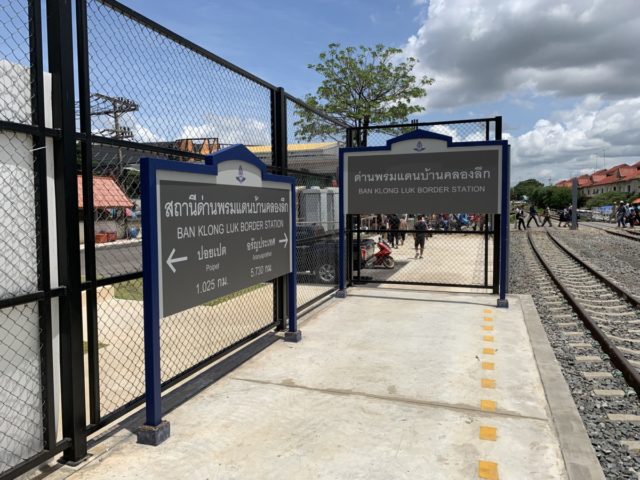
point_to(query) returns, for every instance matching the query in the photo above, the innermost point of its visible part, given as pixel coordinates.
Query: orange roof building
(619, 178)
(106, 194)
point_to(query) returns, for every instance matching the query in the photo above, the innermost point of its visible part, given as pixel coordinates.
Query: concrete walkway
(385, 384)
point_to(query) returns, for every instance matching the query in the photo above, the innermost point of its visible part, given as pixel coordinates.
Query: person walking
(403, 229)
(520, 219)
(394, 225)
(621, 214)
(420, 235)
(533, 215)
(547, 216)
(632, 217)
(564, 216)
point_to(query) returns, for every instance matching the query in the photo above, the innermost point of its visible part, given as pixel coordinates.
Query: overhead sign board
(425, 175)
(218, 239)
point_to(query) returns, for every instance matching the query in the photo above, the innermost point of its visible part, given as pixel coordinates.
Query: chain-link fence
(153, 93)
(142, 91)
(458, 249)
(476, 130)
(27, 429)
(312, 159)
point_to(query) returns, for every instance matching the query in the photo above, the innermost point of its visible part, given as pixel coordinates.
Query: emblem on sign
(419, 147)
(240, 177)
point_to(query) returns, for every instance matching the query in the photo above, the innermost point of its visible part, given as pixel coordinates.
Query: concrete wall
(21, 401)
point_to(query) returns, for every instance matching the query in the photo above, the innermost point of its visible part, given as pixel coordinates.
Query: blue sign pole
(504, 228)
(154, 431)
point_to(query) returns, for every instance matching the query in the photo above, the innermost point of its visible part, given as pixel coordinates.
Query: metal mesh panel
(194, 335)
(460, 132)
(149, 88)
(21, 399)
(314, 153)
(15, 75)
(451, 252)
(313, 162)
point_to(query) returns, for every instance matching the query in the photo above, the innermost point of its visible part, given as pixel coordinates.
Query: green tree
(525, 189)
(608, 198)
(553, 197)
(361, 86)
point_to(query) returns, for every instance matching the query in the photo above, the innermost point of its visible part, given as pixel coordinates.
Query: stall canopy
(106, 194)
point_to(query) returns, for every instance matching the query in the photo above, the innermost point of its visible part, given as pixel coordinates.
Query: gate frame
(501, 234)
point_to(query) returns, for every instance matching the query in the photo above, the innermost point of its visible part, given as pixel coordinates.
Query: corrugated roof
(295, 147)
(106, 194)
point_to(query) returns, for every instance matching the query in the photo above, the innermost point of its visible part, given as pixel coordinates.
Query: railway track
(629, 234)
(594, 325)
(611, 313)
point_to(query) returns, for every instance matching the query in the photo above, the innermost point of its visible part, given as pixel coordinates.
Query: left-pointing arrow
(171, 260)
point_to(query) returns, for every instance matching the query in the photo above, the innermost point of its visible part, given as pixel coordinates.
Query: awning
(106, 194)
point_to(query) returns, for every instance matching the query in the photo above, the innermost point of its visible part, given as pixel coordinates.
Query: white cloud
(578, 140)
(479, 51)
(230, 130)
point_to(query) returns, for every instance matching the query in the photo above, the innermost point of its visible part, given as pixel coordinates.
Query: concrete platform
(385, 384)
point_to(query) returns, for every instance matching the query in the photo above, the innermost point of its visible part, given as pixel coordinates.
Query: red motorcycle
(380, 258)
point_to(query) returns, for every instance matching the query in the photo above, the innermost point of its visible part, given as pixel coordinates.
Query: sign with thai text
(218, 239)
(452, 181)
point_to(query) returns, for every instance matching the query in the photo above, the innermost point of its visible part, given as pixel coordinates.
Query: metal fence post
(496, 226)
(61, 65)
(279, 164)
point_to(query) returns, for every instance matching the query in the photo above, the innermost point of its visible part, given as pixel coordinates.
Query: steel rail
(614, 232)
(626, 294)
(629, 372)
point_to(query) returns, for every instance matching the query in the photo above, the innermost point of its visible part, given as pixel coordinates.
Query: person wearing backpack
(564, 214)
(621, 214)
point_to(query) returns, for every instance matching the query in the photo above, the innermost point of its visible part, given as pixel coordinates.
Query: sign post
(208, 231)
(427, 172)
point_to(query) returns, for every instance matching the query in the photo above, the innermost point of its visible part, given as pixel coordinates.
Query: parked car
(317, 253)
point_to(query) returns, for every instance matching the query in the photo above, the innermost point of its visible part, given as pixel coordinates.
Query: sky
(564, 75)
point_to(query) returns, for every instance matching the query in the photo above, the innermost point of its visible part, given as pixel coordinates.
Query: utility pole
(114, 107)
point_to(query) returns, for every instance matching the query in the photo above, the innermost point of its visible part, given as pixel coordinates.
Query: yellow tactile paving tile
(488, 351)
(488, 328)
(488, 366)
(488, 310)
(488, 470)
(487, 383)
(488, 405)
(488, 319)
(488, 338)
(488, 433)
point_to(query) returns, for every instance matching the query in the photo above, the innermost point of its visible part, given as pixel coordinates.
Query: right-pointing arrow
(171, 260)
(284, 240)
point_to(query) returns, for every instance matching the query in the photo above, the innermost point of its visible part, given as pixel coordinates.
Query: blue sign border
(151, 293)
(422, 135)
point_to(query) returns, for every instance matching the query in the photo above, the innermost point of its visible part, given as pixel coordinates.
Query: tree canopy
(361, 86)
(609, 198)
(552, 197)
(525, 189)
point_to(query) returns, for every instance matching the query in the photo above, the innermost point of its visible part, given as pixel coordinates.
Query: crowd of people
(565, 217)
(627, 215)
(396, 227)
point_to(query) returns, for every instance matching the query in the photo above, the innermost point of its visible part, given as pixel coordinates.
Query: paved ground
(448, 258)
(385, 384)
